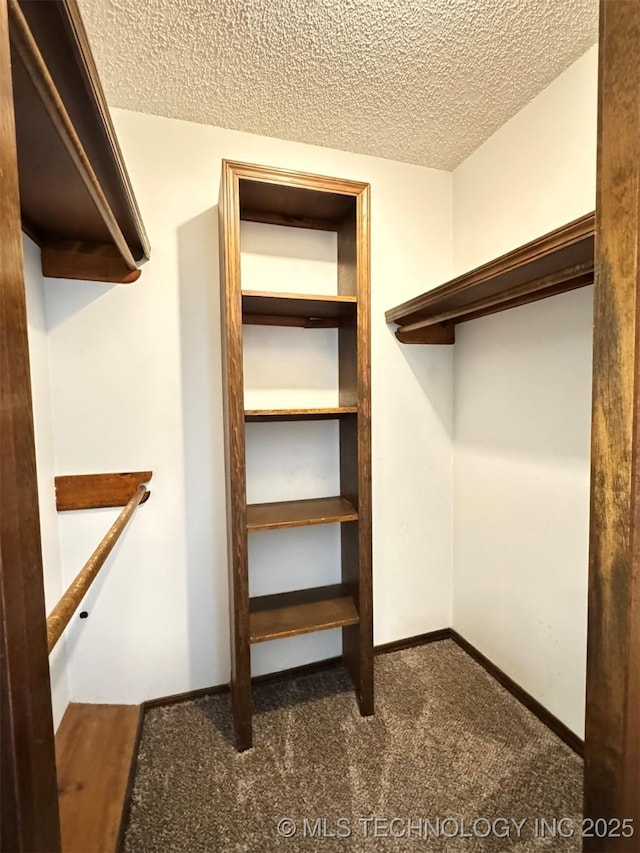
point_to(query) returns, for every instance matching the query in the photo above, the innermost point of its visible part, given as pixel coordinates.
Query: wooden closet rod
(68, 604)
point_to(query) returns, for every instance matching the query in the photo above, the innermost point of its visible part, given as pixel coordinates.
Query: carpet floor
(450, 762)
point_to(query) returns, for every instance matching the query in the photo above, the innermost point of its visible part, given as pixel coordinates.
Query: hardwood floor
(95, 747)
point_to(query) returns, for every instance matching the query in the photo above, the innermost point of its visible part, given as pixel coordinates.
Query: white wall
(136, 379)
(522, 405)
(45, 460)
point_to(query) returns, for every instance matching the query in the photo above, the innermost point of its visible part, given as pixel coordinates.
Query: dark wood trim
(92, 491)
(546, 717)
(231, 308)
(296, 671)
(267, 678)
(413, 642)
(187, 696)
(550, 720)
(557, 262)
(30, 820)
(612, 753)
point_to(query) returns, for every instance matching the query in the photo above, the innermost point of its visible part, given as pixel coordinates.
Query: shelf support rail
(61, 614)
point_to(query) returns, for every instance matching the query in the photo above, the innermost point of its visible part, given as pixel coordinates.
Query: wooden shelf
(266, 415)
(271, 516)
(76, 199)
(282, 197)
(272, 617)
(96, 747)
(555, 263)
(297, 309)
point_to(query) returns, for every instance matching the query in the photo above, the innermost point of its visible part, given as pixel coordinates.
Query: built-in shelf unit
(280, 197)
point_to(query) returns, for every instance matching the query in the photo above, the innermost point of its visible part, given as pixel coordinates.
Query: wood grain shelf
(76, 199)
(272, 516)
(297, 309)
(557, 262)
(272, 617)
(95, 751)
(282, 197)
(266, 415)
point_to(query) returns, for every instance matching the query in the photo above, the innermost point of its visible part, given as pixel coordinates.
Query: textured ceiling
(421, 81)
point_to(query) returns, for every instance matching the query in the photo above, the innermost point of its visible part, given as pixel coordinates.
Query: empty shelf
(296, 309)
(271, 516)
(308, 206)
(253, 415)
(300, 612)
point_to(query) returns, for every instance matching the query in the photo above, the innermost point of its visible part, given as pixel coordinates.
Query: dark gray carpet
(447, 744)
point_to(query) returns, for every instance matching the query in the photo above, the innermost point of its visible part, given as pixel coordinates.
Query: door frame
(612, 731)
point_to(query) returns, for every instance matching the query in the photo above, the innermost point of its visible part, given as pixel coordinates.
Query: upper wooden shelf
(271, 516)
(557, 262)
(298, 199)
(308, 311)
(76, 198)
(257, 415)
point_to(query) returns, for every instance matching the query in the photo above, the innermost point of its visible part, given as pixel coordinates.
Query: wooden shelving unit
(555, 263)
(276, 196)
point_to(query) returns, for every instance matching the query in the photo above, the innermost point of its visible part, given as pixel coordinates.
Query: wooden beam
(29, 797)
(612, 742)
(92, 491)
